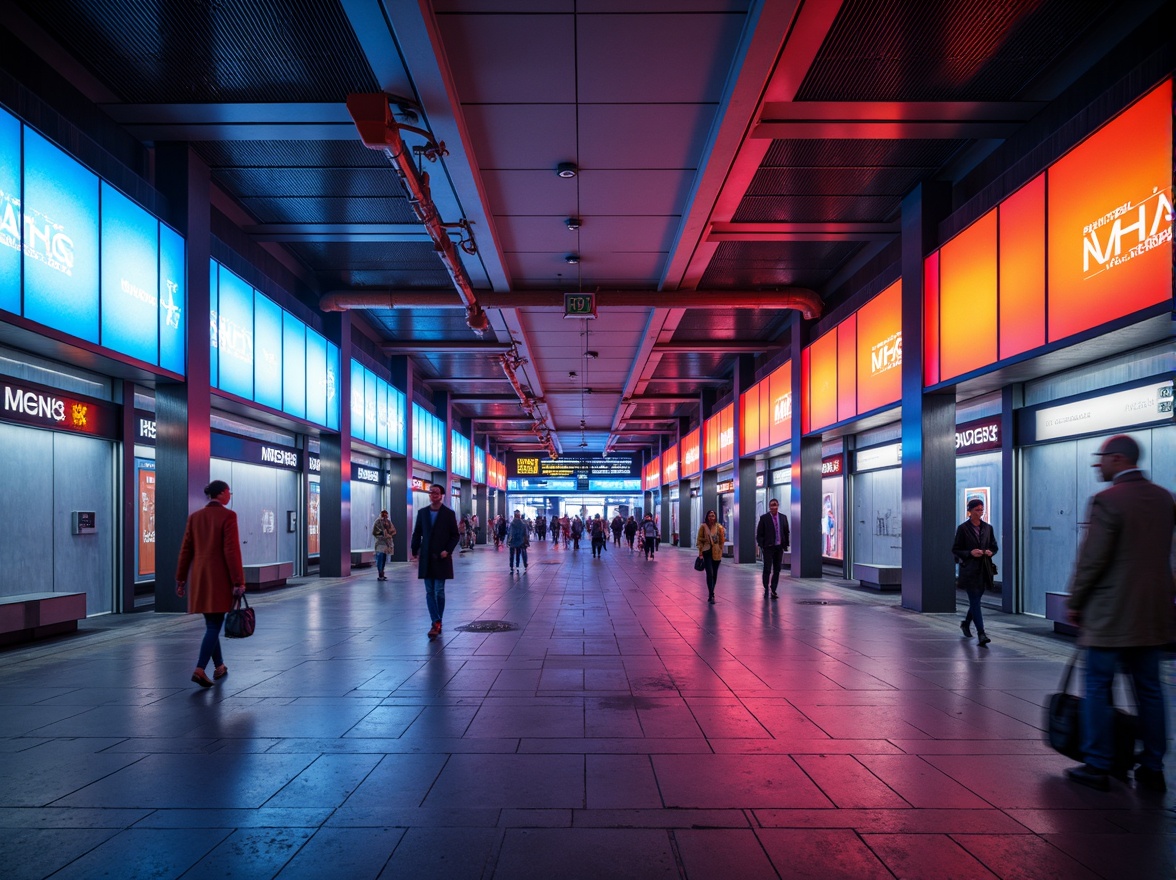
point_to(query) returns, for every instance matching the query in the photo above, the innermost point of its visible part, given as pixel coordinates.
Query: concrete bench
(878, 577)
(29, 616)
(269, 575)
(363, 558)
(1055, 610)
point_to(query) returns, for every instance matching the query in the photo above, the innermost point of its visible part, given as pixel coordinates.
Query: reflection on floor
(626, 728)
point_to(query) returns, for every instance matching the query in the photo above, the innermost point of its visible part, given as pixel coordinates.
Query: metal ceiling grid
(228, 51)
(305, 182)
(894, 182)
(289, 154)
(340, 209)
(704, 326)
(751, 264)
(967, 50)
(414, 324)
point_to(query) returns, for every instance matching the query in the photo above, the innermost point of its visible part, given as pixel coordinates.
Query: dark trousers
(773, 557)
(1143, 665)
(711, 567)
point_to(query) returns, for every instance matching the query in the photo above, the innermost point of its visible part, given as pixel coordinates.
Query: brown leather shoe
(435, 630)
(220, 672)
(201, 678)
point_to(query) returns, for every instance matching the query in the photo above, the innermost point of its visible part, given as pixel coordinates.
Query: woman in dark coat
(434, 538)
(212, 550)
(973, 548)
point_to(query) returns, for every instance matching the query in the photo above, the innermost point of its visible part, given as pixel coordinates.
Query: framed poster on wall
(981, 492)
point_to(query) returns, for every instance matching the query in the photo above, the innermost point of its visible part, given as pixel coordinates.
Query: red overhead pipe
(372, 115)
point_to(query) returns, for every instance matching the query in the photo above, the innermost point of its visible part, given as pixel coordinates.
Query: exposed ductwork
(372, 115)
(805, 301)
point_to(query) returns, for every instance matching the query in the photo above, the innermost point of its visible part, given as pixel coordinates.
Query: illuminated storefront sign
(377, 410)
(49, 408)
(581, 466)
(670, 465)
(652, 477)
(233, 448)
(719, 438)
(691, 460)
(479, 464)
(540, 484)
(1086, 243)
(428, 438)
(981, 435)
(419, 485)
(1111, 412)
(459, 454)
(833, 465)
(726, 487)
(366, 474)
(877, 457)
(618, 484)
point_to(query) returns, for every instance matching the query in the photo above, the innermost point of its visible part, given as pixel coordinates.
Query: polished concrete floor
(626, 728)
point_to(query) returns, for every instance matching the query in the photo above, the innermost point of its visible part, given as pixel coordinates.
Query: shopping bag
(240, 622)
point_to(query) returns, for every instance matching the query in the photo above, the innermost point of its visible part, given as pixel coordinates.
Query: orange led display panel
(710, 442)
(931, 319)
(670, 465)
(780, 398)
(689, 461)
(879, 350)
(726, 450)
(967, 299)
(749, 431)
(1022, 269)
(765, 412)
(821, 406)
(847, 368)
(1110, 219)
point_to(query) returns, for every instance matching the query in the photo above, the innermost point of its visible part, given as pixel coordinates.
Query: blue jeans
(210, 645)
(1143, 665)
(974, 614)
(381, 558)
(435, 598)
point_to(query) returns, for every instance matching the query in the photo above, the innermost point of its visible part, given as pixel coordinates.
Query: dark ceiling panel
(837, 181)
(314, 182)
(758, 265)
(866, 152)
(408, 324)
(277, 51)
(413, 256)
(967, 50)
(302, 209)
(703, 325)
(816, 209)
(290, 154)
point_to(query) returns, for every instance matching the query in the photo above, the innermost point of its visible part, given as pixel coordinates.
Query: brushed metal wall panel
(26, 511)
(83, 479)
(366, 504)
(877, 517)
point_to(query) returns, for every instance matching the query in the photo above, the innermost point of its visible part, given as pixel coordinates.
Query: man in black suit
(772, 536)
(433, 541)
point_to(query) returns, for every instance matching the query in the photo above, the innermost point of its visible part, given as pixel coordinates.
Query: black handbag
(240, 622)
(1063, 724)
(699, 565)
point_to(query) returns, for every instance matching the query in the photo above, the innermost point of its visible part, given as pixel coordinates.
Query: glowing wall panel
(822, 382)
(967, 299)
(879, 350)
(931, 319)
(847, 368)
(1022, 269)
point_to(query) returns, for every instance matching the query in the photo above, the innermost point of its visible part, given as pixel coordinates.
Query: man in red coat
(212, 550)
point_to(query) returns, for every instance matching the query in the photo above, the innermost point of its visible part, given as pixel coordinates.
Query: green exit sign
(579, 305)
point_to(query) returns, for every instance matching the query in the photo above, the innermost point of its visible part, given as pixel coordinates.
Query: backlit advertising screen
(670, 465)
(749, 418)
(293, 366)
(357, 393)
(967, 299)
(847, 368)
(213, 326)
(821, 403)
(780, 401)
(10, 213)
(316, 378)
(370, 423)
(60, 240)
(1022, 269)
(398, 421)
(382, 416)
(479, 464)
(691, 459)
(879, 350)
(130, 277)
(331, 387)
(173, 300)
(1110, 219)
(267, 351)
(235, 334)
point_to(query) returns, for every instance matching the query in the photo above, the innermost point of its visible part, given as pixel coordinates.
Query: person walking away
(711, 539)
(598, 538)
(210, 563)
(434, 538)
(1121, 596)
(516, 542)
(618, 526)
(973, 547)
(771, 533)
(631, 531)
(649, 535)
(577, 531)
(499, 531)
(384, 532)
(540, 528)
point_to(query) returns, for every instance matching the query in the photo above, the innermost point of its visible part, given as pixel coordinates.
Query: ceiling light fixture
(573, 223)
(572, 258)
(567, 170)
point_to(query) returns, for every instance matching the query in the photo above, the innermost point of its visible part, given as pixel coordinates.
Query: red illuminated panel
(806, 391)
(765, 413)
(931, 319)
(821, 406)
(653, 473)
(1110, 219)
(710, 442)
(727, 434)
(879, 350)
(847, 368)
(670, 465)
(690, 463)
(1022, 269)
(967, 299)
(780, 399)
(749, 411)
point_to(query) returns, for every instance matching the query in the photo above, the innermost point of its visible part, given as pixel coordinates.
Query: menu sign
(981, 435)
(584, 466)
(49, 408)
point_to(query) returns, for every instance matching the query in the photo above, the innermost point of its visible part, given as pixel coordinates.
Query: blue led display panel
(235, 335)
(130, 277)
(213, 329)
(10, 213)
(357, 393)
(397, 421)
(293, 366)
(479, 464)
(459, 451)
(316, 378)
(60, 240)
(370, 427)
(331, 386)
(267, 351)
(173, 300)
(382, 415)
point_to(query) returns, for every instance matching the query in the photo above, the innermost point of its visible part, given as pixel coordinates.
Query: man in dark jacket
(772, 535)
(434, 538)
(1121, 597)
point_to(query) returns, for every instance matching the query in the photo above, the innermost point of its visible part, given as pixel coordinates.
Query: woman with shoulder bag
(973, 548)
(383, 531)
(711, 539)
